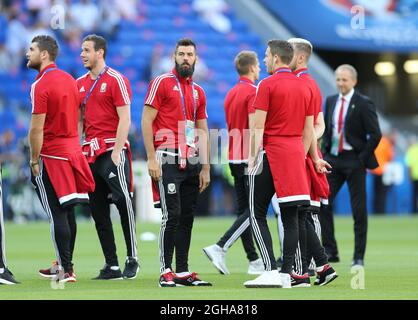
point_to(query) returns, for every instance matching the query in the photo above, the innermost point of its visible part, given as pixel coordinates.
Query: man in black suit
(351, 134)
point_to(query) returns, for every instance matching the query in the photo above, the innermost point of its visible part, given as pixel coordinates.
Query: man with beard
(6, 276)
(105, 98)
(174, 107)
(60, 172)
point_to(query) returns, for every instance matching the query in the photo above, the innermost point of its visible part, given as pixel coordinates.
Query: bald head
(345, 78)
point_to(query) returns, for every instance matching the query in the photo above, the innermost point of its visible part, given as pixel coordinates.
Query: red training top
(286, 113)
(101, 118)
(55, 94)
(164, 95)
(238, 106)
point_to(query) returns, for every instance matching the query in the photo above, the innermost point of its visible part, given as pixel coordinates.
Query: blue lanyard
(183, 103)
(49, 70)
(94, 84)
(301, 73)
(283, 70)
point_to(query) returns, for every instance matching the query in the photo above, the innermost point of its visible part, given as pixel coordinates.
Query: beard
(34, 65)
(185, 70)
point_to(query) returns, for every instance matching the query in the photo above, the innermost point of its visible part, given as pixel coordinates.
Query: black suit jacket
(361, 127)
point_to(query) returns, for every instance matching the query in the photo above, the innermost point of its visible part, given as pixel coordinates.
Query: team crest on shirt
(175, 88)
(196, 94)
(103, 87)
(82, 89)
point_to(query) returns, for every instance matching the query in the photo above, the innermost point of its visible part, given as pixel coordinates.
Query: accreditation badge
(335, 142)
(190, 135)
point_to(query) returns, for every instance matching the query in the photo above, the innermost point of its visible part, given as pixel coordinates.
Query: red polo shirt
(101, 118)
(164, 95)
(55, 94)
(238, 106)
(285, 113)
(316, 92)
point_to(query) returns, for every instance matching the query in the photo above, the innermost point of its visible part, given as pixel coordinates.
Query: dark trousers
(179, 190)
(346, 168)
(261, 190)
(241, 225)
(380, 191)
(62, 219)
(314, 248)
(114, 180)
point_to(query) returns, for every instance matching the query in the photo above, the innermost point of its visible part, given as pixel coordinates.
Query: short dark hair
(185, 42)
(244, 60)
(281, 48)
(99, 43)
(47, 43)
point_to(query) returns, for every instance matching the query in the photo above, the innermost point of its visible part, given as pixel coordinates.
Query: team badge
(103, 87)
(175, 88)
(82, 89)
(196, 94)
(171, 188)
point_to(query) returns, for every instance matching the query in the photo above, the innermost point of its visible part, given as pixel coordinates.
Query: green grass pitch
(390, 273)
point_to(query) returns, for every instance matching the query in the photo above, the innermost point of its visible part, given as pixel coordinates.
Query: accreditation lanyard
(94, 84)
(246, 82)
(284, 70)
(49, 70)
(190, 124)
(299, 74)
(183, 102)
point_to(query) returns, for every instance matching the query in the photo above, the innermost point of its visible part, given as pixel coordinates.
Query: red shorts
(286, 157)
(318, 184)
(70, 177)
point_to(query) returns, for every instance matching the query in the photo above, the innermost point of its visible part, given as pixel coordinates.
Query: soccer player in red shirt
(174, 107)
(105, 99)
(60, 172)
(6, 276)
(239, 113)
(309, 242)
(283, 128)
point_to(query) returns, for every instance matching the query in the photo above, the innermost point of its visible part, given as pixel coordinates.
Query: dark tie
(340, 126)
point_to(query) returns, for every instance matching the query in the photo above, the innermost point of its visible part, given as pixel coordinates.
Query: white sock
(114, 268)
(182, 274)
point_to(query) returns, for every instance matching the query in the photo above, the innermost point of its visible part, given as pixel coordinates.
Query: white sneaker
(285, 278)
(256, 267)
(217, 255)
(268, 279)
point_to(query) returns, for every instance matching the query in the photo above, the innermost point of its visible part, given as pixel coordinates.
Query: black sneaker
(7, 277)
(298, 281)
(190, 280)
(131, 268)
(108, 274)
(325, 276)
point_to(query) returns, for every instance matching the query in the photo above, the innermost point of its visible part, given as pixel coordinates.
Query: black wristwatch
(33, 163)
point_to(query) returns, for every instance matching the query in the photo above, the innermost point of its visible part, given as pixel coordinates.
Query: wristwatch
(33, 163)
